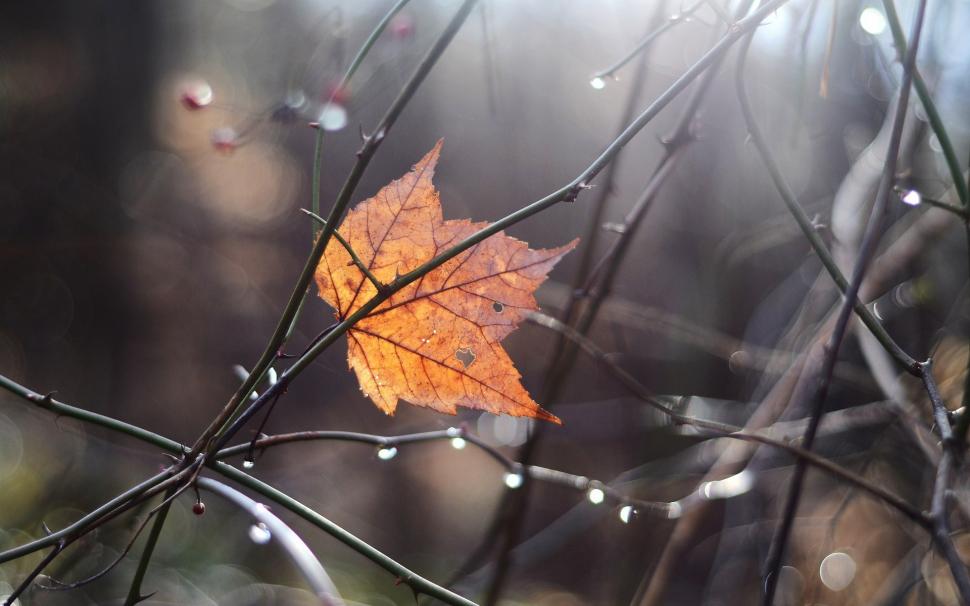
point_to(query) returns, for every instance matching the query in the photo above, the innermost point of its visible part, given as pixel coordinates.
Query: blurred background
(153, 160)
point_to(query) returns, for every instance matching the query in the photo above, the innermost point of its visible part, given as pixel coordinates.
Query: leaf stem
(350, 251)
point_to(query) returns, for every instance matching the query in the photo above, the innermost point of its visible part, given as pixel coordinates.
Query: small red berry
(402, 27)
(337, 94)
(196, 95)
(225, 139)
(199, 508)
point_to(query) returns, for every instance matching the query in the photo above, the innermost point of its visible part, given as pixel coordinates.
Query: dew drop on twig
(387, 453)
(913, 198)
(513, 480)
(259, 534)
(332, 116)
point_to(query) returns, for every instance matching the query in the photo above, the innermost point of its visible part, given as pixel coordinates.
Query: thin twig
(926, 100)
(806, 225)
(553, 476)
(58, 585)
(87, 521)
(513, 507)
(412, 579)
(672, 21)
(58, 548)
(134, 591)
(959, 211)
(867, 248)
(952, 454)
(729, 431)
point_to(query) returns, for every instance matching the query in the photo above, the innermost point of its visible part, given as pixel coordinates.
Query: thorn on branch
(574, 191)
(46, 400)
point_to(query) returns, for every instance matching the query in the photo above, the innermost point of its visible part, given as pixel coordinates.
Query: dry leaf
(436, 342)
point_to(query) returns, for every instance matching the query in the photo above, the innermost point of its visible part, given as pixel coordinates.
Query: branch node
(47, 400)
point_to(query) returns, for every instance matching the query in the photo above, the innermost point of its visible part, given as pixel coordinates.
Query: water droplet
(913, 198)
(273, 377)
(872, 21)
(674, 510)
(513, 480)
(332, 116)
(259, 534)
(596, 496)
(837, 570)
(458, 443)
(598, 83)
(627, 513)
(387, 453)
(248, 464)
(729, 487)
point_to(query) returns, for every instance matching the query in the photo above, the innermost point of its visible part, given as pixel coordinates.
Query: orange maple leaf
(436, 342)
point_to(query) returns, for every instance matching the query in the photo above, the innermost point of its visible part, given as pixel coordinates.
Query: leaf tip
(430, 159)
(545, 415)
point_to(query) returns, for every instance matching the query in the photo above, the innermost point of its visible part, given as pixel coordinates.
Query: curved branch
(301, 555)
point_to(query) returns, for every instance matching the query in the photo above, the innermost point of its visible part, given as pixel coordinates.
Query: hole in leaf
(466, 356)
(498, 307)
